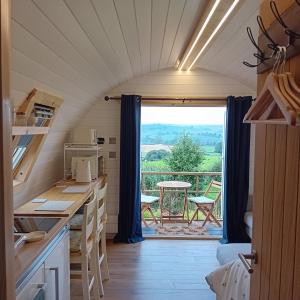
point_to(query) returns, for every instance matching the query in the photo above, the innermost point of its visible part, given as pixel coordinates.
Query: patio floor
(183, 230)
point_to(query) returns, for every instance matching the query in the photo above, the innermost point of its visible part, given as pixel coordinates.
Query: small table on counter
(173, 187)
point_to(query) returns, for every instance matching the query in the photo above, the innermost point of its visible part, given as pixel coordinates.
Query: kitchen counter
(27, 256)
(56, 194)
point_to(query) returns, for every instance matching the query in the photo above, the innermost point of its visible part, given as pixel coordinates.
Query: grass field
(210, 159)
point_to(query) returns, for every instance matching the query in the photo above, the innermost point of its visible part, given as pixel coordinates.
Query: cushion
(76, 222)
(201, 199)
(75, 241)
(229, 252)
(148, 199)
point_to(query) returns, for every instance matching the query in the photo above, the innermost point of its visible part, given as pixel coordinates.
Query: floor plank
(158, 269)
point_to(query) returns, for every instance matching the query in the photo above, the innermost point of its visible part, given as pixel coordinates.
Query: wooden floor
(158, 270)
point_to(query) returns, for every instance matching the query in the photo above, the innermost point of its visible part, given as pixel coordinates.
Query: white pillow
(216, 277)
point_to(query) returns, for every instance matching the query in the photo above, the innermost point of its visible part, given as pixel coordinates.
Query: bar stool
(76, 224)
(84, 249)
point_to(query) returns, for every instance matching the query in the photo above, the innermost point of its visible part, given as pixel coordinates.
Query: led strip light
(229, 11)
(213, 9)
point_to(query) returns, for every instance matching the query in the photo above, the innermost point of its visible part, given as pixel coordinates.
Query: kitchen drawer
(35, 286)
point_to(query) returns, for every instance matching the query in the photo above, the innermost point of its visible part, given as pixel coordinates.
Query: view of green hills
(158, 140)
(168, 134)
(181, 148)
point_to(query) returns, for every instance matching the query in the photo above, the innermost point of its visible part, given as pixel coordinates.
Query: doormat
(180, 229)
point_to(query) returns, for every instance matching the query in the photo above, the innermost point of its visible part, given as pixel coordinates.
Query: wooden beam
(7, 285)
(25, 130)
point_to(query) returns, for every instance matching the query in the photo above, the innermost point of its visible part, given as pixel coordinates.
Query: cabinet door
(35, 287)
(57, 271)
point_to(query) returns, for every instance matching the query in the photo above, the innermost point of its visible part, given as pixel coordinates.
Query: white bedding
(230, 281)
(229, 252)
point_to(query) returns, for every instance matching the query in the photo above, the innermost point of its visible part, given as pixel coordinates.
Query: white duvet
(230, 281)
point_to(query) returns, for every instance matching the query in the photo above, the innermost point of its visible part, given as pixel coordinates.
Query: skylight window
(37, 113)
(20, 150)
(17, 155)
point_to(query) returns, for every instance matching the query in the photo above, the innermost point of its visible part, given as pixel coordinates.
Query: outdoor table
(173, 187)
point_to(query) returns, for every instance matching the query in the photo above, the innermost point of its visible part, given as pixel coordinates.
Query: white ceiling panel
(143, 17)
(28, 15)
(128, 22)
(176, 8)
(98, 44)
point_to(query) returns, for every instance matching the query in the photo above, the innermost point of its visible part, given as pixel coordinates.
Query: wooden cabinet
(34, 287)
(276, 201)
(49, 278)
(57, 272)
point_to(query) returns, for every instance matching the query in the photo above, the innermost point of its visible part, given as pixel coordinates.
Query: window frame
(23, 168)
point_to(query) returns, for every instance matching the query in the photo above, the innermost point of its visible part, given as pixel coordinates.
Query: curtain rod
(107, 98)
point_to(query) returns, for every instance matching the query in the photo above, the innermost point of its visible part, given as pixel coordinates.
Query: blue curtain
(129, 219)
(236, 173)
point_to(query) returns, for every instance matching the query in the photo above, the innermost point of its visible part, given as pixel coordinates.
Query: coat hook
(260, 55)
(262, 27)
(289, 32)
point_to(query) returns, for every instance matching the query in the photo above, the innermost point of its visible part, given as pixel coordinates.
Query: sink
(19, 241)
(29, 224)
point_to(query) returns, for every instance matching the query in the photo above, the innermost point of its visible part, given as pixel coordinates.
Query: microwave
(84, 136)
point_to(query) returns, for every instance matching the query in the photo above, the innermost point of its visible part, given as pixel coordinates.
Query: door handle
(56, 274)
(245, 260)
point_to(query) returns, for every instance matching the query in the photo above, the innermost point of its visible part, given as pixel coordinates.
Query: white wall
(28, 74)
(170, 82)
(105, 116)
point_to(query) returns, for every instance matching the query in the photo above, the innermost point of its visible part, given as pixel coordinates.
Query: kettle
(83, 170)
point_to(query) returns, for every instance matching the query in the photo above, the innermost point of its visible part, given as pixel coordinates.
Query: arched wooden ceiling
(82, 49)
(103, 43)
(95, 45)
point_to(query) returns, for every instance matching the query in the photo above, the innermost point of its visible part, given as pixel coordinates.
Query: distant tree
(185, 155)
(154, 155)
(218, 147)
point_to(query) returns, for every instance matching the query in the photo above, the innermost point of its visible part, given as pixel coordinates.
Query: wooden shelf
(82, 147)
(25, 130)
(271, 121)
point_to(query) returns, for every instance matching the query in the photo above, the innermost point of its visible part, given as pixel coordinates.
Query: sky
(183, 115)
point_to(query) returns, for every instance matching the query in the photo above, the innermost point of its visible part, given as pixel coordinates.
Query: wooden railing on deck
(194, 174)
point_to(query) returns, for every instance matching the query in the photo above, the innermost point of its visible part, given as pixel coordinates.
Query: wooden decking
(183, 231)
(158, 269)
